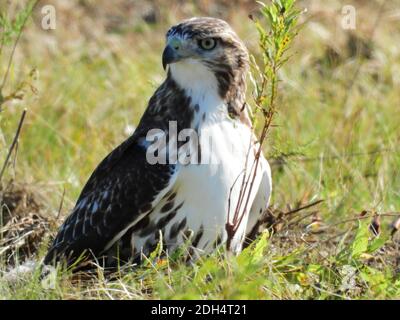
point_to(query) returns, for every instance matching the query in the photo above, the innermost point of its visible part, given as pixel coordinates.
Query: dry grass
(25, 223)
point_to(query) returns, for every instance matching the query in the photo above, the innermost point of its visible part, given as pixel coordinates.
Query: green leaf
(360, 243)
(255, 251)
(288, 4)
(377, 243)
(261, 245)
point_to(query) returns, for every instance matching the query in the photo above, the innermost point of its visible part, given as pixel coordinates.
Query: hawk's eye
(207, 44)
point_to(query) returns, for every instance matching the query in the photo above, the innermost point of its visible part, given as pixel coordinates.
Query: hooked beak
(172, 52)
(169, 56)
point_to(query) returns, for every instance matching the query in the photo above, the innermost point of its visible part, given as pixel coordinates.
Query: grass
(335, 137)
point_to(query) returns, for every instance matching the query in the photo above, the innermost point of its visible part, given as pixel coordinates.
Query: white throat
(199, 83)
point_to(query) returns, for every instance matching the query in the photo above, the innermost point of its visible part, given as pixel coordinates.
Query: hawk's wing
(122, 190)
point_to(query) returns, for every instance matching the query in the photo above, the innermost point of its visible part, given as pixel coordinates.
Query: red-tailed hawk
(131, 200)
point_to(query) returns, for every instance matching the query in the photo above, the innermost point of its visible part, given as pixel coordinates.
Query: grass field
(335, 138)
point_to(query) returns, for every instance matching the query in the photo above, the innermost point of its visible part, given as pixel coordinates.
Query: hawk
(130, 201)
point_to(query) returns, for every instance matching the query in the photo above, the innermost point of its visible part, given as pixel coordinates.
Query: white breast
(209, 191)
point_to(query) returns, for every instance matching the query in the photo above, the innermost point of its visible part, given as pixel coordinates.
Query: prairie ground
(335, 138)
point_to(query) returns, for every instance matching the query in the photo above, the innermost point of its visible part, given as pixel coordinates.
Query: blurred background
(87, 82)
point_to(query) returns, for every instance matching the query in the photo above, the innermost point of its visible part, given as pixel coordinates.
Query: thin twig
(61, 205)
(252, 175)
(15, 47)
(304, 207)
(13, 144)
(301, 219)
(367, 216)
(280, 160)
(269, 73)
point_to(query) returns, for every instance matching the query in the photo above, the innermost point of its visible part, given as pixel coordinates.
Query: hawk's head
(206, 52)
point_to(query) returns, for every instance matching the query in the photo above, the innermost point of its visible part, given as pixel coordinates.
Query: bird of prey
(130, 201)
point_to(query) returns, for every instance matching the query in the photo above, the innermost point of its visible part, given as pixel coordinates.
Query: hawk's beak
(172, 52)
(169, 56)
